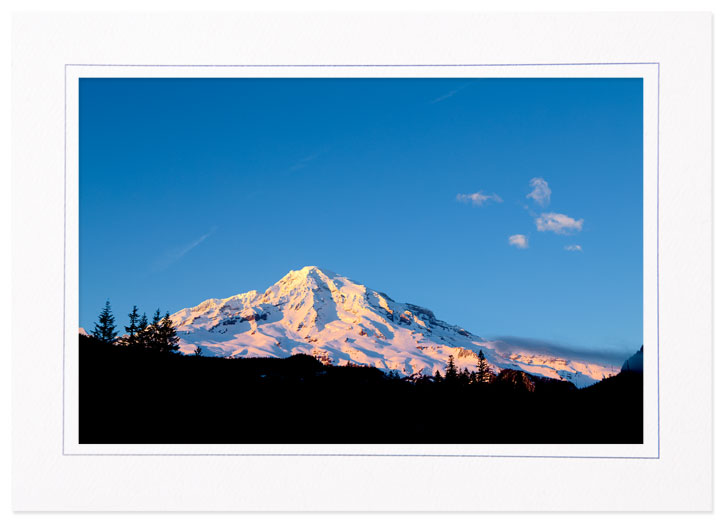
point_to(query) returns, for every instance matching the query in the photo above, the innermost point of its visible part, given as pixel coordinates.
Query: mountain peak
(321, 313)
(308, 278)
(308, 269)
(312, 270)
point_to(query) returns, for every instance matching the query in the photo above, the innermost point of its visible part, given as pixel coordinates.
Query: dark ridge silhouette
(134, 395)
(635, 363)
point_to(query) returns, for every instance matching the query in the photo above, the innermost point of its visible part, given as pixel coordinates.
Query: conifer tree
(451, 373)
(105, 328)
(154, 329)
(437, 377)
(485, 375)
(197, 352)
(132, 328)
(168, 340)
(465, 376)
(142, 334)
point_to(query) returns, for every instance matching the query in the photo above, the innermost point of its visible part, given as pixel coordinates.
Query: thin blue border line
(65, 132)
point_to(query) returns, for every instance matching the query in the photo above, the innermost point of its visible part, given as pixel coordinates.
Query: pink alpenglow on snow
(339, 321)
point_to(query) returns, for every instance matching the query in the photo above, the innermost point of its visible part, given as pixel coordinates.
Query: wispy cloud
(478, 198)
(603, 356)
(303, 162)
(451, 93)
(540, 192)
(558, 223)
(520, 241)
(174, 255)
(573, 248)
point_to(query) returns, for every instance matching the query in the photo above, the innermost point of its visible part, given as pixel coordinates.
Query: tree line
(453, 375)
(158, 335)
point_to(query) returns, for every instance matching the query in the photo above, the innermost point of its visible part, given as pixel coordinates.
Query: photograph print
(360, 261)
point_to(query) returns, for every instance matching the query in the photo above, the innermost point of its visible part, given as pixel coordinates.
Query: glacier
(339, 321)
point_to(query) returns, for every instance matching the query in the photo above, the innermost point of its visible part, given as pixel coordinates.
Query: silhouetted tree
(143, 335)
(467, 377)
(154, 329)
(485, 375)
(437, 377)
(105, 328)
(168, 340)
(462, 377)
(132, 328)
(197, 351)
(451, 373)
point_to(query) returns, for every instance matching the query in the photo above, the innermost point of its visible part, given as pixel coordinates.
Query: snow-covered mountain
(340, 321)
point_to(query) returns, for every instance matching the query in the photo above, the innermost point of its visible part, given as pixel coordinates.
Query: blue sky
(512, 207)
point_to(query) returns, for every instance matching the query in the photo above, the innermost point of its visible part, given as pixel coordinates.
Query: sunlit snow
(339, 321)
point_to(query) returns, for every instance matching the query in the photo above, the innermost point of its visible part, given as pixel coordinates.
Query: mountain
(635, 363)
(340, 321)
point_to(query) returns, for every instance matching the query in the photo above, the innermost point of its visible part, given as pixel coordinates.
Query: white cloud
(540, 192)
(573, 248)
(558, 223)
(478, 198)
(520, 241)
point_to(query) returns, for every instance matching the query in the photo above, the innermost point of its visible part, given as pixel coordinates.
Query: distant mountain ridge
(340, 321)
(635, 363)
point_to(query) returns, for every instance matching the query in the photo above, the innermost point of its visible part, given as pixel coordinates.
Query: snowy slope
(324, 314)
